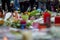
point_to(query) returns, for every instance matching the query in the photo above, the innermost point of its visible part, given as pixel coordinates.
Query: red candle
(47, 17)
(57, 20)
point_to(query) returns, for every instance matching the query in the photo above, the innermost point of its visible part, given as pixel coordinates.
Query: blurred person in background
(56, 4)
(21, 2)
(11, 5)
(58, 9)
(48, 6)
(0, 4)
(52, 6)
(42, 5)
(36, 3)
(32, 3)
(16, 4)
(7, 2)
(26, 5)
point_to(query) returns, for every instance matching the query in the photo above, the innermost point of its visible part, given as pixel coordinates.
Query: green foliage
(16, 24)
(28, 24)
(34, 12)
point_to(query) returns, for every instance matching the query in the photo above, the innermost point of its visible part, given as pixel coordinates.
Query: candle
(47, 18)
(27, 35)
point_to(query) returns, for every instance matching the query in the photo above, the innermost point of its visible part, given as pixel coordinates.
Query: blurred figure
(48, 6)
(32, 3)
(16, 4)
(26, 5)
(6, 2)
(0, 4)
(56, 4)
(11, 6)
(36, 3)
(42, 5)
(58, 10)
(53, 7)
(21, 2)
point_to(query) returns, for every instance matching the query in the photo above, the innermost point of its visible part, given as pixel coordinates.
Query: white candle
(27, 35)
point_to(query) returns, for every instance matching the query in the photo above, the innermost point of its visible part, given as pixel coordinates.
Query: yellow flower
(28, 13)
(15, 20)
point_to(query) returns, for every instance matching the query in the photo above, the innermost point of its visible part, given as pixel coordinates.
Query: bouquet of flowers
(28, 24)
(15, 24)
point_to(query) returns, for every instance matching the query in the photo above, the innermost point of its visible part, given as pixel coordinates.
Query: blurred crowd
(25, 5)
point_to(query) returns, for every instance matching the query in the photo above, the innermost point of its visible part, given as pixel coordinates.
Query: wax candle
(47, 17)
(27, 35)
